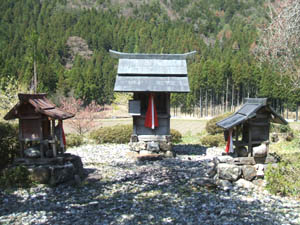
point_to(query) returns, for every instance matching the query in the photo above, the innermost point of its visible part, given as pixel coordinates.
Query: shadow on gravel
(189, 149)
(151, 193)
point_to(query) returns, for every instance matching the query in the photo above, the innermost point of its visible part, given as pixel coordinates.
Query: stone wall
(160, 146)
(241, 170)
(53, 171)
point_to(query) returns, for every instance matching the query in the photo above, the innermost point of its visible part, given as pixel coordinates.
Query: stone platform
(53, 171)
(154, 146)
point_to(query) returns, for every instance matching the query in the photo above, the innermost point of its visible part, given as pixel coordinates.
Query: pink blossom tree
(85, 116)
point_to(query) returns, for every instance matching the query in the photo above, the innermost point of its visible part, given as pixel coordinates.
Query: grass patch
(284, 179)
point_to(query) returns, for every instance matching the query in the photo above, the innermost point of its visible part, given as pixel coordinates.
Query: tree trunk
(297, 112)
(200, 103)
(238, 98)
(287, 111)
(211, 103)
(206, 103)
(232, 98)
(226, 101)
(35, 77)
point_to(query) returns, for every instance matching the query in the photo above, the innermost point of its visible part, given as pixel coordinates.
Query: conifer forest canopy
(224, 34)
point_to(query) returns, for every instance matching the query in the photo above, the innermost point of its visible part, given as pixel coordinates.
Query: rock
(241, 151)
(260, 170)
(249, 172)
(32, 153)
(145, 152)
(274, 137)
(245, 161)
(259, 182)
(229, 172)
(137, 146)
(224, 159)
(211, 168)
(39, 174)
(262, 150)
(244, 184)
(61, 174)
(76, 161)
(153, 146)
(169, 154)
(224, 185)
(134, 138)
(165, 146)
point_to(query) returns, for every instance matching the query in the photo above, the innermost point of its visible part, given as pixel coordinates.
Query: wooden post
(236, 133)
(20, 140)
(250, 142)
(53, 138)
(168, 112)
(41, 138)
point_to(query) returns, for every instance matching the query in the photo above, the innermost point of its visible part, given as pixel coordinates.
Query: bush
(280, 128)
(74, 140)
(9, 143)
(285, 130)
(119, 134)
(15, 177)
(211, 126)
(284, 178)
(213, 140)
(176, 136)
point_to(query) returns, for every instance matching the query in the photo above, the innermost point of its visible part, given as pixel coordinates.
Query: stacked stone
(152, 149)
(52, 171)
(245, 171)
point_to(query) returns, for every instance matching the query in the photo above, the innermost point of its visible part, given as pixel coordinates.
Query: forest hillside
(66, 42)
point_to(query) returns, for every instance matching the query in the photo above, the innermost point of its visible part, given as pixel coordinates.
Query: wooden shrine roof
(152, 72)
(248, 111)
(41, 105)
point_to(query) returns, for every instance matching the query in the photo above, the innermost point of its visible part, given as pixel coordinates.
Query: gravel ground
(120, 190)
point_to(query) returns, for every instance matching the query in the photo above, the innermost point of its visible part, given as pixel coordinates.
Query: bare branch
(279, 42)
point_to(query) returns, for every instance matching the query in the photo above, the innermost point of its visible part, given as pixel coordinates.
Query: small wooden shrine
(151, 78)
(250, 125)
(40, 123)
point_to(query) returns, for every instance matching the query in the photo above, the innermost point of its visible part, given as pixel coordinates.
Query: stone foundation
(152, 145)
(240, 170)
(53, 171)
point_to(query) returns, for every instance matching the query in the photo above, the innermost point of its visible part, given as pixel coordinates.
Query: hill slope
(223, 33)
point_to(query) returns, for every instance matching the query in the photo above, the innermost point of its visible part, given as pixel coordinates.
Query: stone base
(152, 145)
(241, 171)
(53, 171)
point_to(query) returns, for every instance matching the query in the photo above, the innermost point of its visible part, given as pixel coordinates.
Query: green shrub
(284, 178)
(74, 140)
(280, 128)
(285, 130)
(176, 136)
(211, 126)
(9, 143)
(15, 177)
(213, 140)
(119, 134)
